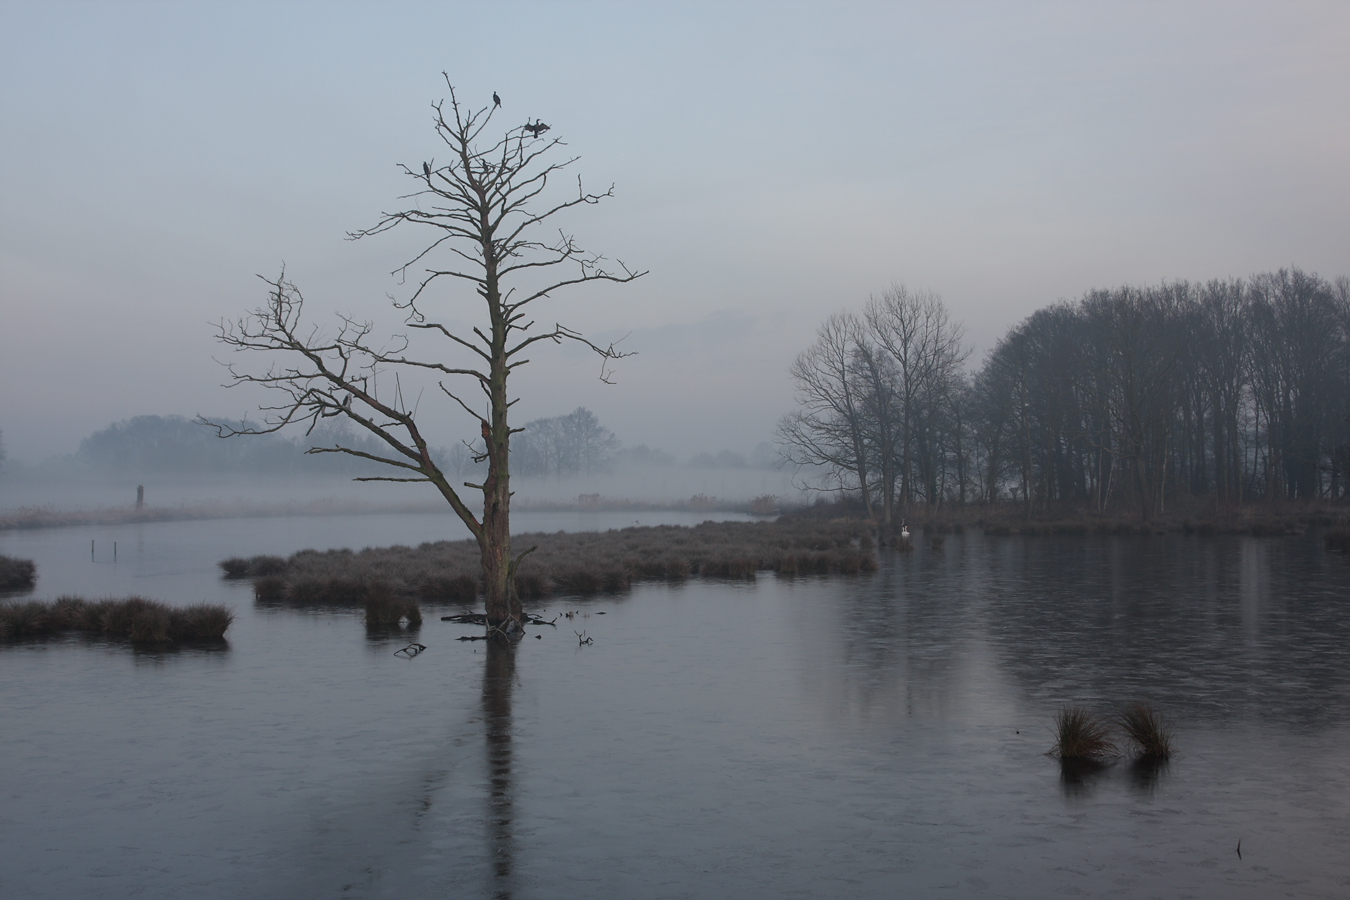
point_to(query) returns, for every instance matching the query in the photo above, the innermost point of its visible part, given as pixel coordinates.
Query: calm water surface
(865, 737)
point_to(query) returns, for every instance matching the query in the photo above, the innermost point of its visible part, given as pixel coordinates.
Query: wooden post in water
(91, 551)
(114, 551)
(140, 497)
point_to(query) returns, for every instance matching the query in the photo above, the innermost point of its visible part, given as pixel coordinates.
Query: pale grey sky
(773, 163)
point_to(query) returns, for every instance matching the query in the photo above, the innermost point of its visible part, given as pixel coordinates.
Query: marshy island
(579, 563)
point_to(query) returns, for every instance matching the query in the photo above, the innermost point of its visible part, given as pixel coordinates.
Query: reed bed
(1081, 734)
(16, 574)
(1146, 730)
(136, 619)
(582, 563)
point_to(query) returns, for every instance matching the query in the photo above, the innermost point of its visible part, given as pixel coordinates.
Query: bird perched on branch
(426, 170)
(537, 128)
(496, 101)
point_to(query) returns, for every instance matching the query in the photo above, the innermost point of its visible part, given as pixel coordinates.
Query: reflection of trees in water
(1207, 626)
(499, 675)
(903, 635)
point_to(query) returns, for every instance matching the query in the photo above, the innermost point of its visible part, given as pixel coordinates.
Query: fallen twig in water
(410, 651)
(481, 619)
(582, 639)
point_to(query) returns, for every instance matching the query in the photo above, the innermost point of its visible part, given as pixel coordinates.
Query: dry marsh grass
(1081, 734)
(384, 609)
(17, 574)
(1337, 539)
(580, 563)
(135, 618)
(1146, 730)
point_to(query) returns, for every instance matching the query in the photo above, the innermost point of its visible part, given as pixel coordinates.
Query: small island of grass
(577, 563)
(135, 619)
(17, 574)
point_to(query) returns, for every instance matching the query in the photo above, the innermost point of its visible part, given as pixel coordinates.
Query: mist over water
(69, 489)
(878, 736)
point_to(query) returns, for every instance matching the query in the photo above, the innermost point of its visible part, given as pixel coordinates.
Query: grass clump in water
(1146, 730)
(385, 608)
(136, 619)
(17, 574)
(1081, 734)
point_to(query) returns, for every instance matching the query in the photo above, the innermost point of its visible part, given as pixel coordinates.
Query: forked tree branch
(483, 208)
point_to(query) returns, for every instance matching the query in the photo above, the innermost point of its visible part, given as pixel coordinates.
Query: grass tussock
(17, 574)
(253, 567)
(1146, 730)
(584, 563)
(1337, 539)
(384, 608)
(1080, 734)
(135, 618)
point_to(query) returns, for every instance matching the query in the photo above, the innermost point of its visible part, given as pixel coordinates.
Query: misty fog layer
(570, 459)
(772, 164)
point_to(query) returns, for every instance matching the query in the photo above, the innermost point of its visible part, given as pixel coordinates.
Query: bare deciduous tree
(925, 350)
(566, 445)
(830, 431)
(876, 394)
(486, 209)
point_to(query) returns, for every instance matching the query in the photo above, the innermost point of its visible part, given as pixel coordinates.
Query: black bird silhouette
(537, 128)
(496, 101)
(426, 170)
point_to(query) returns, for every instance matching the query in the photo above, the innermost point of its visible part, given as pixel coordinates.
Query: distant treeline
(176, 445)
(573, 444)
(1230, 390)
(577, 444)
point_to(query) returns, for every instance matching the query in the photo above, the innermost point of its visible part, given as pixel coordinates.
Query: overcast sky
(773, 163)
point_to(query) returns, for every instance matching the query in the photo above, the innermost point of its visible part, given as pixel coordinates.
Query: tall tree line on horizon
(1231, 390)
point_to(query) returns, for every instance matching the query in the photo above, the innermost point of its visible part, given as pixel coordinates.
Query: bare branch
(483, 204)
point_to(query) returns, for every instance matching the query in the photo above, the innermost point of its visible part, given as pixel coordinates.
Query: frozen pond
(879, 736)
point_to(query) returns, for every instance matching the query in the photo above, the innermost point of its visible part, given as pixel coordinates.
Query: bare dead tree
(485, 208)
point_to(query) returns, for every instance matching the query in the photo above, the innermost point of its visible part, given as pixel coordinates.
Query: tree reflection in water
(499, 676)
